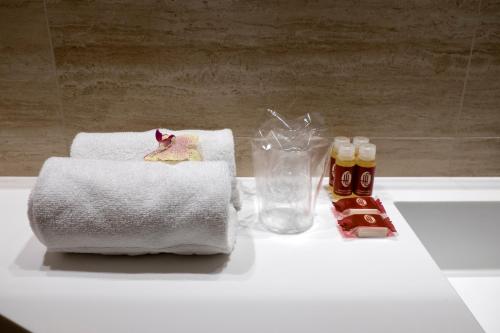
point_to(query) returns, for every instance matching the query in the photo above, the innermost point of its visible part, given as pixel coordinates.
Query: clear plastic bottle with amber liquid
(337, 141)
(357, 141)
(364, 173)
(344, 168)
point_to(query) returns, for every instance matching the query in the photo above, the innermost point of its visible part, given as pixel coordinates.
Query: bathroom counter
(313, 282)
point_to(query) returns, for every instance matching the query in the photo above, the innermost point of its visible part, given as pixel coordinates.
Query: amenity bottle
(357, 141)
(364, 173)
(344, 167)
(337, 141)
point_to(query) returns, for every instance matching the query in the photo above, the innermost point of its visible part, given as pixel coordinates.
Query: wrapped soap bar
(366, 225)
(358, 205)
(362, 217)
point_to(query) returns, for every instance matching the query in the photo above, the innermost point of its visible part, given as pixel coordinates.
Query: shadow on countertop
(7, 325)
(153, 263)
(35, 259)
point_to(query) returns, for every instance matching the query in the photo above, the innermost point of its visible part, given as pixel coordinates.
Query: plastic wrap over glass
(289, 157)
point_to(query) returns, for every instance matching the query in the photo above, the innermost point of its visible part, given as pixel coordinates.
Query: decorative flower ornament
(175, 149)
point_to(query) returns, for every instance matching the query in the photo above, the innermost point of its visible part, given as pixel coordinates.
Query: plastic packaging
(289, 159)
(362, 217)
(366, 225)
(359, 205)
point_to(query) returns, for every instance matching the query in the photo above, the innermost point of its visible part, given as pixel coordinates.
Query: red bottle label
(343, 180)
(331, 179)
(363, 184)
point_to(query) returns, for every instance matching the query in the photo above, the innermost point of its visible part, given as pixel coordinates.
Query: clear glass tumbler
(287, 183)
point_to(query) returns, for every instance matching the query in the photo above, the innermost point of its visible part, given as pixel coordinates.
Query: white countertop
(313, 282)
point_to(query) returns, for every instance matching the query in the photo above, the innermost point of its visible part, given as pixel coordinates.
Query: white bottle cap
(359, 140)
(339, 140)
(367, 152)
(346, 152)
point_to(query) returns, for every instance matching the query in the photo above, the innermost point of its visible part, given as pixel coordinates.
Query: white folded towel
(213, 145)
(133, 207)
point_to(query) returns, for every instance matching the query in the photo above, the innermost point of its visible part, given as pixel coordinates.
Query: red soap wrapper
(366, 220)
(359, 205)
(362, 217)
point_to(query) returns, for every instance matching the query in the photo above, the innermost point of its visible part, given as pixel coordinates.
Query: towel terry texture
(133, 207)
(123, 146)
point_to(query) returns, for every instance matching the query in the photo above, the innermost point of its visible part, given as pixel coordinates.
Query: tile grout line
(466, 78)
(62, 133)
(458, 116)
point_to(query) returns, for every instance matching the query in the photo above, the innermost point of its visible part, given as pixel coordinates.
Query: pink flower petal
(158, 135)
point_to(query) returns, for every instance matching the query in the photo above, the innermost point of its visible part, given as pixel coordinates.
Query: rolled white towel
(122, 146)
(133, 207)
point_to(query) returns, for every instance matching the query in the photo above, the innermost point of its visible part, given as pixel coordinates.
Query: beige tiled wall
(422, 78)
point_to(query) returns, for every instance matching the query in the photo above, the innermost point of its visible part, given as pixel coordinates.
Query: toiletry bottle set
(352, 167)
